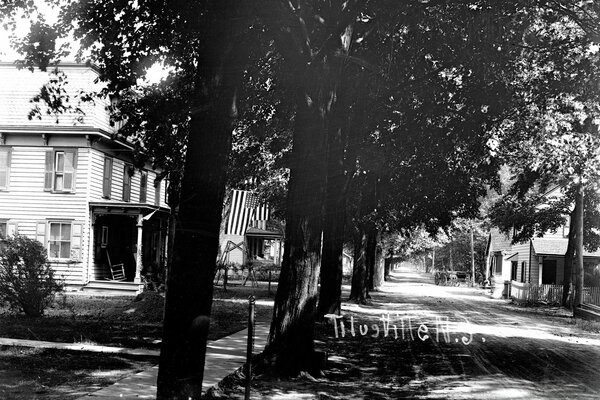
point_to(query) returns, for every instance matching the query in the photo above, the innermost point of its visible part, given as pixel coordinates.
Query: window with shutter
(107, 177)
(60, 170)
(4, 167)
(60, 240)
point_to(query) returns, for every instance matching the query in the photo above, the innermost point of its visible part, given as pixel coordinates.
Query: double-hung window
(59, 240)
(63, 239)
(60, 170)
(4, 167)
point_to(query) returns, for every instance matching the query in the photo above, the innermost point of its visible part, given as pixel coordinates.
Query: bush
(27, 282)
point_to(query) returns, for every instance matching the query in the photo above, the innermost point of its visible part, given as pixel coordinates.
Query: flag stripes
(244, 208)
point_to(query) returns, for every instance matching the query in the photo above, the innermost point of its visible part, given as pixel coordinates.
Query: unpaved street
(488, 348)
(418, 340)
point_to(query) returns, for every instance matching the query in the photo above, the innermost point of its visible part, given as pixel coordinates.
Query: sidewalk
(223, 356)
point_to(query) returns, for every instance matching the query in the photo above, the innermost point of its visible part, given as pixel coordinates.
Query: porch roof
(126, 208)
(556, 247)
(256, 232)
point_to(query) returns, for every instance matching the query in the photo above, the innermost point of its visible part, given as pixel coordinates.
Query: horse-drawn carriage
(452, 278)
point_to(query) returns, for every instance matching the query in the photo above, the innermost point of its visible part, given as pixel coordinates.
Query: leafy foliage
(27, 282)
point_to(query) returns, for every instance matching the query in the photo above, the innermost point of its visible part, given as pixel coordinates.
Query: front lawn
(132, 322)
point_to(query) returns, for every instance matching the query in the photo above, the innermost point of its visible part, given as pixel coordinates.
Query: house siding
(27, 204)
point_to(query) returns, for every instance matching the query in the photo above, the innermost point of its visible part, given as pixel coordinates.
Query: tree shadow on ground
(448, 342)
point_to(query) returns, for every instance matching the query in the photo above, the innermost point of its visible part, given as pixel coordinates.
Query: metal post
(250, 345)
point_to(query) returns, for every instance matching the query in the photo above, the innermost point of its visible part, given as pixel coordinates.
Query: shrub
(27, 282)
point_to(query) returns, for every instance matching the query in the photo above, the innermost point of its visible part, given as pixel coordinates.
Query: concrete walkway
(223, 356)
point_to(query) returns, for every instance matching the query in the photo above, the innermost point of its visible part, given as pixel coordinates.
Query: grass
(27, 373)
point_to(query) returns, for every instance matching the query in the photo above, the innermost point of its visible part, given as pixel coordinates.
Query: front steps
(112, 288)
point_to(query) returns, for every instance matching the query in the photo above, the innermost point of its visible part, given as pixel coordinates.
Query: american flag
(245, 207)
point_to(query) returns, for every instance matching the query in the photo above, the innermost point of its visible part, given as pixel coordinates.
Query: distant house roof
(556, 247)
(499, 241)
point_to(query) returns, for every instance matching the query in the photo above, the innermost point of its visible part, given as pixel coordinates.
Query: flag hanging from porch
(245, 207)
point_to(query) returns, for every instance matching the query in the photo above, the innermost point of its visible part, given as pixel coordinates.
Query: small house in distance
(69, 181)
(534, 266)
(250, 236)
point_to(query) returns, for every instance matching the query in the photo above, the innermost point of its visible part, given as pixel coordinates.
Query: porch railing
(552, 294)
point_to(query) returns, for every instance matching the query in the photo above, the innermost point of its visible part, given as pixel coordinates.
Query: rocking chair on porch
(117, 271)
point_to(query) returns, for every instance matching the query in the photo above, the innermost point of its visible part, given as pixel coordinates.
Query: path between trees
(491, 348)
(445, 342)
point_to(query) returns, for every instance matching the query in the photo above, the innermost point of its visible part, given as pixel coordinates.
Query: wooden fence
(551, 294)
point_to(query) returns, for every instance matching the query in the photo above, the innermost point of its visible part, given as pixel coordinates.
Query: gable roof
(556, 247)
(499, 241)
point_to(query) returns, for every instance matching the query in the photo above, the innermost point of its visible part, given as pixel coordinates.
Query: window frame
(52, 171)
(8, 151)
(61, 241)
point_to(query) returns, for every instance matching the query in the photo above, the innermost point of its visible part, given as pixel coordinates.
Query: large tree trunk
(334, 219)
(568, 271)
(579, 246)
(189, 281)
(378, 273)
(358, 290)
(333, 246)
(387, 267)
(291, 338)
(371, 257)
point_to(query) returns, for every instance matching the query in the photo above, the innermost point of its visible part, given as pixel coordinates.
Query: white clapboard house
(249, 234)
(69, 182)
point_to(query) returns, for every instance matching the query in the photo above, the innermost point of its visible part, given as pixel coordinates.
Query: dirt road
(418, 340)
(460, 343)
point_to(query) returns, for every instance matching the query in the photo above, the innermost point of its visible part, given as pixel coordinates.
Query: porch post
(91, 247)
(138, 252)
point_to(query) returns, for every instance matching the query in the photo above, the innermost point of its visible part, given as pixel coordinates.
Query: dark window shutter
(107, 178)
(49, 170)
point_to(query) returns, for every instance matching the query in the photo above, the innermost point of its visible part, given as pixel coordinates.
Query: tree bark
(371, 257)
(358, 290)
(189, 282)
(334, 219)
(579, 246)
(291, 337)
(568, 271)
(378, 275)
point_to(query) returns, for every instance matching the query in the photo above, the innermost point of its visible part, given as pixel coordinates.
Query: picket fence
(551, 294)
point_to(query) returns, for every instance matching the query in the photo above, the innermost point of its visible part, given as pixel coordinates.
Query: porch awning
(263, 233)
(126, 208)
(511, 256)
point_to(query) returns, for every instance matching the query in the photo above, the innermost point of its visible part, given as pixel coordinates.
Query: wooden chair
(117, 271)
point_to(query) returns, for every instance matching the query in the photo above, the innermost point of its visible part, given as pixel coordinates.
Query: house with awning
(250, 235)
(538, 261)
(70, 181)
